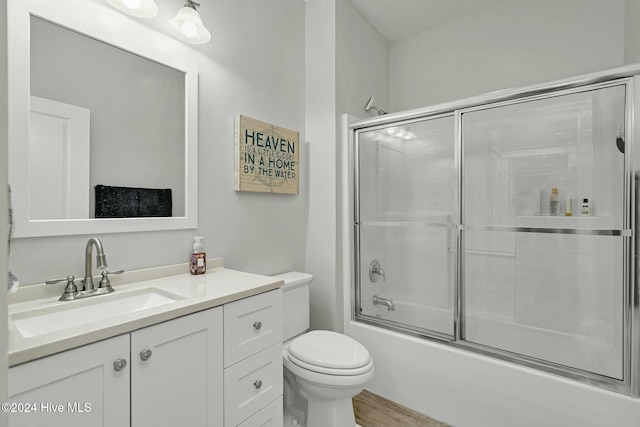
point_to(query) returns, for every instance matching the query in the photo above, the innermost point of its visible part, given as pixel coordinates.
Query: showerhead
(369, 104)
(370, 107)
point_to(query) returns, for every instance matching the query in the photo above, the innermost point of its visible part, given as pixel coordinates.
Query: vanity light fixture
(138, 8)
(187, 25)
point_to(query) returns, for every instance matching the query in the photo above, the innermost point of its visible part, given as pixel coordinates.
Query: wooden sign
(266, 157)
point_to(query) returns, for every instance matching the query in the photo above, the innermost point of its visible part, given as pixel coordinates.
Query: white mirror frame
(99, 21)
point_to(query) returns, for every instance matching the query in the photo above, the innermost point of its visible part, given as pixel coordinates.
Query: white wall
(511, 44)
(254, 65)
(3, 207)
(632, 32)
(362, 62)
(321, 127)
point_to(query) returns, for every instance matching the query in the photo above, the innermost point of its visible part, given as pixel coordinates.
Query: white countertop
(218, 286)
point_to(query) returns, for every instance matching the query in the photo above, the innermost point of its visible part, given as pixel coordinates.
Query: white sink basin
(70, 314)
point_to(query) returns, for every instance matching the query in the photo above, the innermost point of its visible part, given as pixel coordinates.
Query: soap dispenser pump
(198, 257)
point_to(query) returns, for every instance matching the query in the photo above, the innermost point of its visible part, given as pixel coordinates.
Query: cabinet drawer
(271, 416)
(252, 325)
(252, 384)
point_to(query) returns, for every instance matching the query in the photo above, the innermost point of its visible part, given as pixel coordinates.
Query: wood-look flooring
(372, 410)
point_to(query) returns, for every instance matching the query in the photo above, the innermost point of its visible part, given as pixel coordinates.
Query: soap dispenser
(198, 257)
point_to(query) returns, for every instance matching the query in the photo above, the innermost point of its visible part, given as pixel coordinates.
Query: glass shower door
(545, 238)
(405, 232)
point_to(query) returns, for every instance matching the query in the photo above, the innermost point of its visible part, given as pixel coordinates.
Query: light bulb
(189, 29)
(187, 26)
(131, 4)
(138, 8)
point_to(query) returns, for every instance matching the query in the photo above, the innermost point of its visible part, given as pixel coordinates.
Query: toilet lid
(329, 350)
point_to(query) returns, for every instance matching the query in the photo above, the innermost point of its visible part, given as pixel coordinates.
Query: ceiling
(396, 19)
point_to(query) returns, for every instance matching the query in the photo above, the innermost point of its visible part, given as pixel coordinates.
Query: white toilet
(323, 370)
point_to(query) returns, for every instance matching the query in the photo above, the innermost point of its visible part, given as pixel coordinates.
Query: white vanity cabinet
(75, 388)
(172, 377)
(253, 361)
(217, 367)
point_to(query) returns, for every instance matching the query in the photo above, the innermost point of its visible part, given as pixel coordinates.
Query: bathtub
(466, 389)
(588, 353)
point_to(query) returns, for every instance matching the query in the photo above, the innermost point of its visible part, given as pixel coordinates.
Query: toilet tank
(295, 303)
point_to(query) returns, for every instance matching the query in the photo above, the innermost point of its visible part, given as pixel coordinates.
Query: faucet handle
(376, 271)
(69, 291)
(54, 281)
(105, 283)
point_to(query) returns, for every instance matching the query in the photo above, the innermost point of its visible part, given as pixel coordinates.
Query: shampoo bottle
(198, 257)
(554, 205)
(585, 209)
(568, 208)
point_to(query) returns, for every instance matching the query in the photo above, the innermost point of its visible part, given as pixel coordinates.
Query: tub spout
(384, 301)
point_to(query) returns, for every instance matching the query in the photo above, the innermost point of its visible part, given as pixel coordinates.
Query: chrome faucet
(384, 301)
(101, 261)
(376, 271)
(71, 291)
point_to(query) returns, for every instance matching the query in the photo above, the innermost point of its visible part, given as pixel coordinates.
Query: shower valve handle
(376, 271)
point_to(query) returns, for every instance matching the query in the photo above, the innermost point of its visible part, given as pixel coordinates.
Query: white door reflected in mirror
(58, 160)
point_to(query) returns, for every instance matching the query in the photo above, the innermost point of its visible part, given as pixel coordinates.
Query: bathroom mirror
(93, 107)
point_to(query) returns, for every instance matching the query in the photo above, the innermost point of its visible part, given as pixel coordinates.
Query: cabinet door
(176, 374)
(79, 387)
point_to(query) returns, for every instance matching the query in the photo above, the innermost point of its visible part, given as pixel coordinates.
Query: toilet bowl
(329, 382)
(323, 370)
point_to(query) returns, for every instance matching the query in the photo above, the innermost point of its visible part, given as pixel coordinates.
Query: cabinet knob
(145, 354)
(119, 364)
(257, 325)
(257, 384)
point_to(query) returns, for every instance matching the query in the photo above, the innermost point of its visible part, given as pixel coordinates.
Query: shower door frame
(392, 325)
(628, 76)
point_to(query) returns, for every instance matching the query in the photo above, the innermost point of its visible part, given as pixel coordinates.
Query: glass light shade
(138, 8)
(187, 26)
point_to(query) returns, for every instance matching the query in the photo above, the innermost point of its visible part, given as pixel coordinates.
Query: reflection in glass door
(544, 229)
(408, 192)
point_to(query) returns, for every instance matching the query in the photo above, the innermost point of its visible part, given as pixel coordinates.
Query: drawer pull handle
(257, 384)
(145, 354)
(119, 364)
(257, 325)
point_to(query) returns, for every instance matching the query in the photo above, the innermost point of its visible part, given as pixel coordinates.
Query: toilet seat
(330, 371)
(329, 353)
(329, 381)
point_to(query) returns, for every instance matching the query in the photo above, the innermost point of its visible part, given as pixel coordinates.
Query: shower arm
(370, 107)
